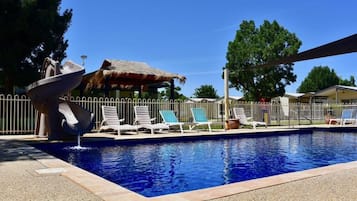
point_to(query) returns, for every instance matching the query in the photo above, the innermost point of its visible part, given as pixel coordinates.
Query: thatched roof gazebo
(128, 75)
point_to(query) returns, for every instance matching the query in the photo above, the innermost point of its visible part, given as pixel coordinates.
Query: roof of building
(199, 100)
(294, 95)
(332, 90)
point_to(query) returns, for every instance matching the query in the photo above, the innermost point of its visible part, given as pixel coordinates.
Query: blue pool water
(159, 168)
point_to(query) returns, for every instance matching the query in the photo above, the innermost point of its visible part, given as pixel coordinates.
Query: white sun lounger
(243, 120)
(200, 118)
(346, 118)
(111, 121)
(143, 120)
(169, 118)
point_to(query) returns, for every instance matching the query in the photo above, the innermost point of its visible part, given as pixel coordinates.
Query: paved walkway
(20, 181)
(29, 174)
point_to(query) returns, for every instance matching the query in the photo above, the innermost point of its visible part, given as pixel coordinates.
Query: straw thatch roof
(119, 74)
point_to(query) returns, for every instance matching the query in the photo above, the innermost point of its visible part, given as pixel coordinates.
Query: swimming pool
(158, 168)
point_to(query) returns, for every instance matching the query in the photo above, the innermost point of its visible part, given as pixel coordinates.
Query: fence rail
(18, 116)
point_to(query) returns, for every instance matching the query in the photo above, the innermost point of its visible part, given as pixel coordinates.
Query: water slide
(59, 118)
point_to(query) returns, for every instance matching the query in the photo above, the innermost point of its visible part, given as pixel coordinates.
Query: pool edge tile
(255, 184)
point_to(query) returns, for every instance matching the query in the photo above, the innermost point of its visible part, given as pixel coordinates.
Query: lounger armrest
(103, 122)
(153, 119)
(121, 120)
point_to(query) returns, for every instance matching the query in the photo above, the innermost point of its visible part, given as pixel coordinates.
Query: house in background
(216, 112)
(297, 97)
(294, 97)
(334, 94)
(337, 94)
(214, 100)
(201, 100)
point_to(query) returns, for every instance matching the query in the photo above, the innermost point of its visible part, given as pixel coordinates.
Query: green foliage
(165, 94)
(350, 82)
(30, 31)
(254, 46)
(320, 77)
(205, 91)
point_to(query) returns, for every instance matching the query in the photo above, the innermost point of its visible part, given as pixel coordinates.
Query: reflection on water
(170, 167)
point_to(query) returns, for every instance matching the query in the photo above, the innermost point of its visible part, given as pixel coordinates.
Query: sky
(190, 37)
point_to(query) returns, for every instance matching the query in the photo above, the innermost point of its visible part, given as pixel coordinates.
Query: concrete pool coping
(107, 190)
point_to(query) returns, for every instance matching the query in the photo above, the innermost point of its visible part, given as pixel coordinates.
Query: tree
(350, 82)
(30, 31)
(205, 91)
(320, 77)
(255, 46)
(165, 94)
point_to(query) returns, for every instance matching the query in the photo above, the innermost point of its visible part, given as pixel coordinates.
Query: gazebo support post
(141, 91)
(106, 87)
(81, 89)
(172, 89)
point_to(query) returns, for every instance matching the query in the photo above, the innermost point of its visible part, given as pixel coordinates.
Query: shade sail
(342, 46)
(120, 74)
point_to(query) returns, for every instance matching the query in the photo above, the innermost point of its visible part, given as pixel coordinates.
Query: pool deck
(29, 174)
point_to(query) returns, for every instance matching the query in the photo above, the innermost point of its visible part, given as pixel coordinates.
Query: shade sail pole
(172, 94)
(226, 98)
